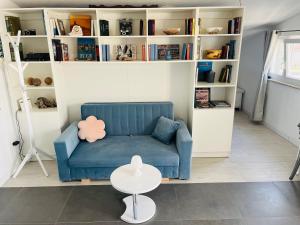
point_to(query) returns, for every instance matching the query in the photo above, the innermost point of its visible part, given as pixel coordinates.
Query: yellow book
(83, 21)
(193, 26)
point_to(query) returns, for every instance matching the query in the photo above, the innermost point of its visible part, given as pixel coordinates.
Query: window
(285, 65)
(292, 52)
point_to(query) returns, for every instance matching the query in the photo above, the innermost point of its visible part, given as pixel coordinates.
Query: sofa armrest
(64, 146)
(184, 147)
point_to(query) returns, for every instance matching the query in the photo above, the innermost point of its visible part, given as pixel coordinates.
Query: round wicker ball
(30, 80)
(36, 82)
(48, 80)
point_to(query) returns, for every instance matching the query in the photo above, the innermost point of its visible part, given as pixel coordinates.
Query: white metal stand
(33, 150)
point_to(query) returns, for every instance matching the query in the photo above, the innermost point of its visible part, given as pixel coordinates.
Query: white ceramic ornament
(76, 31)
(137, 164)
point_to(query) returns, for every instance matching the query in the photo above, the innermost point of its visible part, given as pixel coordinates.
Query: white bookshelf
(211, 128)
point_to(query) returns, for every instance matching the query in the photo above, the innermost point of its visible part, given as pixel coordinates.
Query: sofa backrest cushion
(128, 118)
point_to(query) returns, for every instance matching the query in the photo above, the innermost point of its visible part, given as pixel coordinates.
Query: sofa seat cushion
(114, 151)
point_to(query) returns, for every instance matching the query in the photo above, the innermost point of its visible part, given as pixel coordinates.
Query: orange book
(83, 21)
(143, 53)
(188, 49)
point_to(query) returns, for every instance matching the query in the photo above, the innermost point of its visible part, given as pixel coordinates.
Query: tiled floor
(258, 154)
(261, 203)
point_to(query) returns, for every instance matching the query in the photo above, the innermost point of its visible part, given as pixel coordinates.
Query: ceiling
(258, 12)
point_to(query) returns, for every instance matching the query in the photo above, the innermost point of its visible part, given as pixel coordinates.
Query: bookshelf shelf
(219, 35)
(106, 80)
(213, 85)
(39, 87)
(75, 37)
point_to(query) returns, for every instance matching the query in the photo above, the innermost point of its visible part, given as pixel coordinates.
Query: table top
(123, 179)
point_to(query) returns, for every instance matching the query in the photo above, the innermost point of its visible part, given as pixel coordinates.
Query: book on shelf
(202, 98)
(163, 52)
(203, 68)
(86, 49)
(65, 52)
(104, 27)
(57, 50)
(220, 104)
(189, 27)
(84, 21)
(53, 27)
(13, 25)
(12, 53)
(151, 27)
(105, 52)
(187, 51)
(234, 25)
(141, 27)
(125, 52)
(225, 75)
(1, 49)
(228, 50)
(60, 27)
(143, 53)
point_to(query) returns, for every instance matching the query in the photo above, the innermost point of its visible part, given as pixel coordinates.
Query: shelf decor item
(61, 27)
(84, 21)
(212, 54)
(76, 31)
(48, 81)
(125, 27)
(172, 31)
(214, 30)
(125, 52)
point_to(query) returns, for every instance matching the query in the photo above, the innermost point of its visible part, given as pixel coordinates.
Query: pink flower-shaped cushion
(91, 129)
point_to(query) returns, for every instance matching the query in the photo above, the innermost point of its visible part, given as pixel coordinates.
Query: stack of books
(151, 27)
(234, 25)
(225, 76)
(202, 100)
(105, 52)
(163, 52)
(187, 51)
(189, 26)
(220, 104)
(228, 50)
(60, 50)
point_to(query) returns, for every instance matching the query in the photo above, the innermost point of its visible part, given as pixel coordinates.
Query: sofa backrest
(128, 118)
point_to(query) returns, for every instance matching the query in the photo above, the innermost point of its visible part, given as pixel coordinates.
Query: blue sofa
(128, 132)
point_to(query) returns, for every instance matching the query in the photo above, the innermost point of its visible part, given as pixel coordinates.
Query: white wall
(7, 130)
(282, 108)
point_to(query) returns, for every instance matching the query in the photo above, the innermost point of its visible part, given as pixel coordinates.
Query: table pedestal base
(138, 211)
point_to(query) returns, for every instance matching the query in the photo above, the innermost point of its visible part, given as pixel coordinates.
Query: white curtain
(271, 39)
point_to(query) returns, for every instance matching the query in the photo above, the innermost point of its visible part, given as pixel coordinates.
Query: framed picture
(125, 52)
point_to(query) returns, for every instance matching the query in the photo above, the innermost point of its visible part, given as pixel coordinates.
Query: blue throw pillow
(165, 129)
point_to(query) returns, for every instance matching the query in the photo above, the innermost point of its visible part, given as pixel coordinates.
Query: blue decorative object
(165, 130)
(129, 127)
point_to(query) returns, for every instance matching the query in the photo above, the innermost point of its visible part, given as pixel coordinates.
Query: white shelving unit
(211, 128)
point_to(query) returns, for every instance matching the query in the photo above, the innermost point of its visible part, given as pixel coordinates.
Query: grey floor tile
(7, 195)
(206, 202)
(261, 200)
(273, 221)
(291, 190)
(166, 202)
(213, 222)
(36, 205)
(93, 203)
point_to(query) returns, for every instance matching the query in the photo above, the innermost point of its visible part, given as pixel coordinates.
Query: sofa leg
(85, 181)
(165, 180)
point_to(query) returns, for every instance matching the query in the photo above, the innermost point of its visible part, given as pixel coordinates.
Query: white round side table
(139, 208)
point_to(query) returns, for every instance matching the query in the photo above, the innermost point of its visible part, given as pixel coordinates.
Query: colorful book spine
(183, 53)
